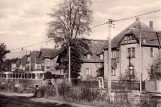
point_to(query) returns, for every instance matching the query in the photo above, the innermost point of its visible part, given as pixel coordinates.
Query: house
(126, 54)
(48, 59)
(92, 59)
(33, 62)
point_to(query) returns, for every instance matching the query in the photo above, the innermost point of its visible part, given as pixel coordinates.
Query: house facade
(92, 60)
(32, 61)
(134, 50)
(48, 59)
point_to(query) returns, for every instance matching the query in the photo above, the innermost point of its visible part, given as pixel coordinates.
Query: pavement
(26, 100)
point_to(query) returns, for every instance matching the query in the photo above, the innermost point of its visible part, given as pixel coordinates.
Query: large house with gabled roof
(92, 59)
(126, 54)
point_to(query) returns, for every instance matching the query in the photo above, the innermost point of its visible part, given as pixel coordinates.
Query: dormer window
(101, 56)
(88, 56)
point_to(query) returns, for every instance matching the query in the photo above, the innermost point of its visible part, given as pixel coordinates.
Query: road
(19, 101)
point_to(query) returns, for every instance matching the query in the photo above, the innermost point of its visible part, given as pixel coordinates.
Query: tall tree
(71, 21)
(3, 52)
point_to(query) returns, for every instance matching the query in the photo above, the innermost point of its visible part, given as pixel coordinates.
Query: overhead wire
(96, 26)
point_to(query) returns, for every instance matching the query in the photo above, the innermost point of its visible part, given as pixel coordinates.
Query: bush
(10, 86)
(78, 93)
(49, 91)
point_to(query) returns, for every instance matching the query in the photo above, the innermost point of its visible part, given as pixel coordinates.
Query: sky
(25, 22)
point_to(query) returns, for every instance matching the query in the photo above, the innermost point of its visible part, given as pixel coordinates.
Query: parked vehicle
(35, 78)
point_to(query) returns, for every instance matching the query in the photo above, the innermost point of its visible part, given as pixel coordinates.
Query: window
(40, 75)
(101, 56)
(88, 56)
(38, 66)
(113, 72)
(25, 76)
(48, 65)
(131, 52)
(151, 52)
(33, 76)
(88, 71)
(29, 75)
(115, 54)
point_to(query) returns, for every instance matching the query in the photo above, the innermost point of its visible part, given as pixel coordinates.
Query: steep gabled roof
(34, 55)
(95, 48)
(24, 60)
(50, 53)
(148, 34)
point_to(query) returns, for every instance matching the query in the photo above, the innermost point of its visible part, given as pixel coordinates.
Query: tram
(23, 77)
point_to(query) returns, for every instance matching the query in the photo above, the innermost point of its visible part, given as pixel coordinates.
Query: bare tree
(71, 20)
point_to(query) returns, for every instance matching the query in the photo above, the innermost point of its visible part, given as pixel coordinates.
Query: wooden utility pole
(140, 63)
(109, 57)
(69, 72)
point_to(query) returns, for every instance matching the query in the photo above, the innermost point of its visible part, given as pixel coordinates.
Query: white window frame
(88, 71)
(131, 52)
(88, 56)
(101, 56)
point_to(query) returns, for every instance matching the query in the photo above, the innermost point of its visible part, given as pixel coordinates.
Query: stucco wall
(93, 69)
(117, 70)
(146, 61)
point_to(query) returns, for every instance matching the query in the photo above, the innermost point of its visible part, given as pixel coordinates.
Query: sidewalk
(41, 100)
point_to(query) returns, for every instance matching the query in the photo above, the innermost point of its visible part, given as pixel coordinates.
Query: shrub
(49, 91)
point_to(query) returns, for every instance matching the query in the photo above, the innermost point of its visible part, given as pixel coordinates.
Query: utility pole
(140, 60)
(109, 57)
(69, 72)
(30, 62)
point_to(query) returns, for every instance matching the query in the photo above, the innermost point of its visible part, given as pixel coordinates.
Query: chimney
(151, 24)
(137, 19)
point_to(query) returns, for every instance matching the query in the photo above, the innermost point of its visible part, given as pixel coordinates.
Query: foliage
(70, 23)
(78, 47)
(154, 69)
(11, 86)
(100, 71)
(6, 65)
(3, 52)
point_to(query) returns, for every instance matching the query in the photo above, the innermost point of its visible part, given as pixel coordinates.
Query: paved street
(19, 101)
